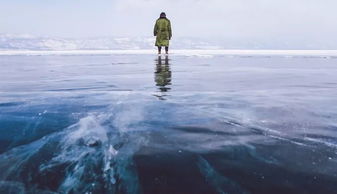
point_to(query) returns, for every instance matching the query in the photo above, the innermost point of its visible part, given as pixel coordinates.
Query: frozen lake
(137, 123)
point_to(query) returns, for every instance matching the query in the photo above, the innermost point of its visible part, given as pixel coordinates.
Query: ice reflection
(163, 76)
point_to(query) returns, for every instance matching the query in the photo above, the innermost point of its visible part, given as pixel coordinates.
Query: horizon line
(189, 52)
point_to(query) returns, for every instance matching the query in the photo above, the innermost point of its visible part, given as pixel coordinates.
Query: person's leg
(159, 49)
(166, 49)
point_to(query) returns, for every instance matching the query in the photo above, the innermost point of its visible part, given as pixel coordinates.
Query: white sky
(255, 20)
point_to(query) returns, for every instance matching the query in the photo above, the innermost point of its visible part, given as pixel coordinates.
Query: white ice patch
(89, 130)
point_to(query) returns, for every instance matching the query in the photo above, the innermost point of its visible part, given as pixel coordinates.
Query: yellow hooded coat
(163, 32)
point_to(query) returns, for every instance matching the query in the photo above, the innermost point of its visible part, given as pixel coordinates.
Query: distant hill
(27, 42)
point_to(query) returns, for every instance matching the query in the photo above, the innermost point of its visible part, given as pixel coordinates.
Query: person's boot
(159, 50)
(166, 50)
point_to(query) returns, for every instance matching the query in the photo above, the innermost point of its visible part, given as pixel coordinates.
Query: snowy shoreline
(194, 52)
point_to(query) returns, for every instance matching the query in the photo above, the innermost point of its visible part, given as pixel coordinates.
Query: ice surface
(186, 123)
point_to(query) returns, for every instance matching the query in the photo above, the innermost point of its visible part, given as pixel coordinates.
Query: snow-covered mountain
(27, 42)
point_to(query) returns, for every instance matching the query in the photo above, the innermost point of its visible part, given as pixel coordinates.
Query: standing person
(163, 32)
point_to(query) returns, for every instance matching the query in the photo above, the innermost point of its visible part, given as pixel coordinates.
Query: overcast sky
(254, 20)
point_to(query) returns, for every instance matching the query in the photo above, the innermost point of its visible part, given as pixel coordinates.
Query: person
(163, 33)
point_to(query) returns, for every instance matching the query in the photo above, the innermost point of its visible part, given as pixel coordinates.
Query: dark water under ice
(182, 124)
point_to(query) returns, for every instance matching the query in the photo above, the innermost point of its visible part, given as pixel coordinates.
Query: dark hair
(163, 14)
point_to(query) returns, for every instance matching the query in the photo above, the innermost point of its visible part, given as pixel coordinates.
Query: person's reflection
(163, 76)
